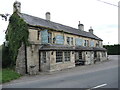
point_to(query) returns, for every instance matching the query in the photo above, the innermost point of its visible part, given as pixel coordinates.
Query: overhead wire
(109, 3)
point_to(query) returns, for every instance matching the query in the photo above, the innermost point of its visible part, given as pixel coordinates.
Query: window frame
(59, 56)
(84, 42)
(68, 40)
(67, 56)
(80, 54)
(49, 37)
(71, 41)
(38, 35)
(44, 56)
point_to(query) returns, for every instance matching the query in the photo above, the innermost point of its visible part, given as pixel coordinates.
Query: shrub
(6, 61)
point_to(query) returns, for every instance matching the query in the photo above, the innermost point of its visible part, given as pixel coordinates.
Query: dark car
(79, 62)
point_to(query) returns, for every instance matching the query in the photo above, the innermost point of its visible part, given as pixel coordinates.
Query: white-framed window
(97, 44)
(92, 43)
(68, 40)
(80, 55)
(38, 35)
(59, 39)
(49, 37)
(71, 40)
(59, 56)
(86, 43)
(44, 56)
(67, 55)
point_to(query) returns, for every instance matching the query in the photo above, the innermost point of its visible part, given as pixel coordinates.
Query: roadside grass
(7, 75)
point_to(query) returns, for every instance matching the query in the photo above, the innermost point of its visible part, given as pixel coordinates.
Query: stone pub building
(55, 46)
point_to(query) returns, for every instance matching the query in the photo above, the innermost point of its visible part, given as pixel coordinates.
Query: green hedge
(113, 49)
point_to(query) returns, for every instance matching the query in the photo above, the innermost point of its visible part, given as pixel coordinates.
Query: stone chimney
(91, 30)
(48, 16)
(80, 26)
(17, 7)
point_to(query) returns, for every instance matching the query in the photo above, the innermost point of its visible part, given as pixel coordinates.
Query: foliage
(0, 76)
(17, 33)
(113, 49)
(0, 54)
(8, 75)
(6, 62)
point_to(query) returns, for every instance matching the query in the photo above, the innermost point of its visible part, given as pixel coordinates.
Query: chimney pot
(80, 26)
(17, 7)
(48, 16)
(91, 30)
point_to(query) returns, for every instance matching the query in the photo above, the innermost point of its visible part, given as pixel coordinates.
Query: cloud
(102, 17)
(107, 27)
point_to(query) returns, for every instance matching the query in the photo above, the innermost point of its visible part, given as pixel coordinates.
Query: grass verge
(7, 75)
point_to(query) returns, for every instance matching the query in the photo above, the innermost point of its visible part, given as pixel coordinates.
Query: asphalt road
(101, 75)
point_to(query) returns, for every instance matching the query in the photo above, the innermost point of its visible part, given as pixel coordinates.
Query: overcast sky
(102, 17)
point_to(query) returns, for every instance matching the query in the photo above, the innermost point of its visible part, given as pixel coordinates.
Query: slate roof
(35, 21)
(71, 48)
(55, 47)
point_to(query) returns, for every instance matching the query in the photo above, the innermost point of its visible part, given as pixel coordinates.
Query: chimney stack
(80, 26)
(91, 30)
(17, 7)
(48, 16)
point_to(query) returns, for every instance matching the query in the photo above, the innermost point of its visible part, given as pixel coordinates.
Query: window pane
(49, 37)
(44, 57)
(67, 55)
(59, 39)
(80, 55)
(38, 35)
(68, 40)
(59, 56)
(44, 36)
(71, 40)
(92, 43)
(79, 41)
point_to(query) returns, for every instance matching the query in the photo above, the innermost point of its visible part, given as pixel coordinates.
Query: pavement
(100, 75)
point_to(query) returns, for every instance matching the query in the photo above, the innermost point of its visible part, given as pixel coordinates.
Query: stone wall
(20, 61)
(33, 59)
(33, 36)
(100, 57)
(87, 56)
(45, 67)
(61, 65)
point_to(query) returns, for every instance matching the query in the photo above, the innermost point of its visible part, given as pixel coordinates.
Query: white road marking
(99, 86)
